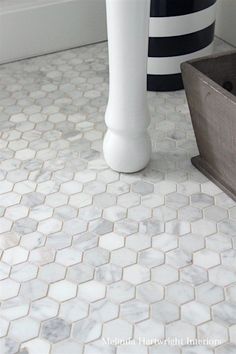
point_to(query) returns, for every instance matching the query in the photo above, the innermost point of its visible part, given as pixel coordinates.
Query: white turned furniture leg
(127, 146)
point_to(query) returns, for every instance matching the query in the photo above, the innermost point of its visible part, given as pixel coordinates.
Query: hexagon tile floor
(90, 257)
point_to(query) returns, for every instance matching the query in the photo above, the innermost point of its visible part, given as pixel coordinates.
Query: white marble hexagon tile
(89, 255)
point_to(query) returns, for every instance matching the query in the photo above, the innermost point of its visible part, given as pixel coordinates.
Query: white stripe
(180, 25)
(171, 65)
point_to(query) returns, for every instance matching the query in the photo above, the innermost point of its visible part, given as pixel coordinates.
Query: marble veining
(88, 254)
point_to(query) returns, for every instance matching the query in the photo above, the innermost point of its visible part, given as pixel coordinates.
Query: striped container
(180, 30)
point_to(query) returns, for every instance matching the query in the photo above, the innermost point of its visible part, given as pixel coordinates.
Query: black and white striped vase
(180, 30)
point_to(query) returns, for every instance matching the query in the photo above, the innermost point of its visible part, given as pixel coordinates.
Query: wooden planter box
(210, 85)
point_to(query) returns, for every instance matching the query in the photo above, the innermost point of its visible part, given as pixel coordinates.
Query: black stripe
(181, 45)
(164, 82)
(166, 8)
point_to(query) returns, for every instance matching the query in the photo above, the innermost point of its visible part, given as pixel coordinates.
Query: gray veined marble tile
(149, 329)
(230, 293)
(65, 212)
(21, 272)
(216, 213)
(86, 330)
(126, 227)
(52, 272)
(44, 309)
(188, 188)
(9, 345)
(139, 213)
(9, 199)
(195, 313)
(204, 227)
(24, 329)
(149, 292)
(179, 293)
(111, 241)
(118, 188)
(228, 258)
(85, 241)
(67, 345)
(96, 256)
(33, 199)
(25, 226)
(224, 313)
(5, 225)
(213, 330)
(15, 255)
(104, 310)
(74, 226)
(108, 273)
(8, 289)
(80, 273)
(176, 200)
(92, 291)
(165, 312)
(219, 242)
(222, 276)
(151, 227)
(228, 227)
(224, 200)
(142, 188)
(206, 258)
(190, 214)
(120, 291)
(180, 329)
(134, 311)
(115, 213)
(201, 200)
(164, 274)
(191, 243)
(95, 187)
(33, 289)
(62, 290)
(150, 258)
(193, 275)
(58, 240)
(128, 200)
(178, 258)
(55, 330)
(101, 226)
(177, 227)
(90, 213)
(136, 274)
(123, 257)
(73, 310)
(209, 293)
(165, 242)
(14, 308)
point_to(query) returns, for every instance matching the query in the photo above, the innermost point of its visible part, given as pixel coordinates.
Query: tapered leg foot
(125, 154)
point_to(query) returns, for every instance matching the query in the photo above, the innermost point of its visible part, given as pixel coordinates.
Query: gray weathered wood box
(210, 85)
